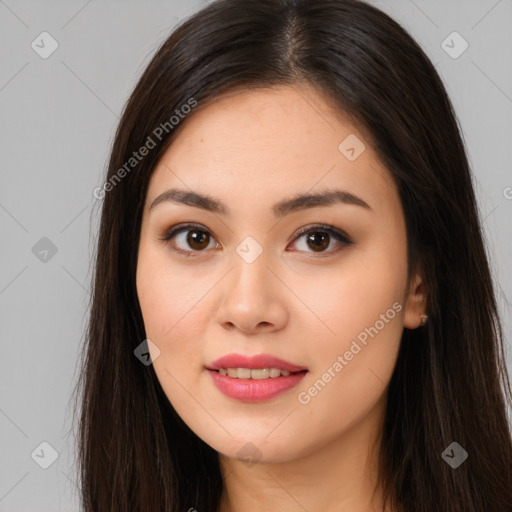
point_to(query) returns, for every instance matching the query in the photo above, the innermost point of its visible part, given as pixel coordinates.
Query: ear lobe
(416, 303)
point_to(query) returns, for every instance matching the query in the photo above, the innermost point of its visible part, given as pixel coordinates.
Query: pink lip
(253, 390)
(257, 361)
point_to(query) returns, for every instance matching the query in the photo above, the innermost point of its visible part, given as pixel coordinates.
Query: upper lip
(253, 362)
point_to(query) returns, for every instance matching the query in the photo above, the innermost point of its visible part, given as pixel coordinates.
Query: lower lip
(254, 390)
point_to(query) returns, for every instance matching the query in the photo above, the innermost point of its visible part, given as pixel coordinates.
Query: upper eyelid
(300, 231)
(322, 227)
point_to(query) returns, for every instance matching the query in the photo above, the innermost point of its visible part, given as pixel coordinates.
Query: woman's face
(242, 281)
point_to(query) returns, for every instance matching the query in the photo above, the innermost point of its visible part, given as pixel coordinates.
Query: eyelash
(335, 233)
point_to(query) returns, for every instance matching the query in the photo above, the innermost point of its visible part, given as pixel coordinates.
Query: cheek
(361, 312)
(171, 309)
(353, 296)
(173, 301)
(169, 297)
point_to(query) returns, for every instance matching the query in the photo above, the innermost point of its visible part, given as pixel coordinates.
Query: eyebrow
(296, 203)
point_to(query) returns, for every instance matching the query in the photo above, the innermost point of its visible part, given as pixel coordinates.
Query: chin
(253, 449)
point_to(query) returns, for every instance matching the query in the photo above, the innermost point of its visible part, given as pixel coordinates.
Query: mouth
(254, 379)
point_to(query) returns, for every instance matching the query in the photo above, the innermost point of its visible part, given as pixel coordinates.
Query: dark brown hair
(450, 382)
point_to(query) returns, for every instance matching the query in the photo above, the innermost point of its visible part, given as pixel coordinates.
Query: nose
(253, 298)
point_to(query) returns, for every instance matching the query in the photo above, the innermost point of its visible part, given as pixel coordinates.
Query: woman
(292, 303)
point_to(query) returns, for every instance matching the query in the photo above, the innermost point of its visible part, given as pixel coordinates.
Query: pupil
(321, 241)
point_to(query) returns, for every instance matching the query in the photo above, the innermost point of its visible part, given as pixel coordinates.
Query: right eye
(191, 237)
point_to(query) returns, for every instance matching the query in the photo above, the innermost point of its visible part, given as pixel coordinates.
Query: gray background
(58, 117)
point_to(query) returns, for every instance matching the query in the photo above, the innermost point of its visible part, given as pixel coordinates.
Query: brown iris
(198, 239)
(319, 239)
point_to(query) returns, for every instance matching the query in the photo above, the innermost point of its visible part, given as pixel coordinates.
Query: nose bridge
(250, 297)
(251, 277)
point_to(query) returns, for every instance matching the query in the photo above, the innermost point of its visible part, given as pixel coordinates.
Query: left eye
(318, 238)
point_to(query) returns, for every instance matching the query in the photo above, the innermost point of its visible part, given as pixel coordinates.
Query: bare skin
(305, 303)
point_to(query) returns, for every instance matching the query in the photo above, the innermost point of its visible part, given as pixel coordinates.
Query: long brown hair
(450, 383)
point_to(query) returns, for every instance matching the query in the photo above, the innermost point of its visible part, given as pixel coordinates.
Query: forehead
(264, 144)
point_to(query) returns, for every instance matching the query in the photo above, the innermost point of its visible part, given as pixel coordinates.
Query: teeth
(257, 374)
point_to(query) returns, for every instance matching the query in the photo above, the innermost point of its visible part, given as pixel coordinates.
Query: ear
(416, 302)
